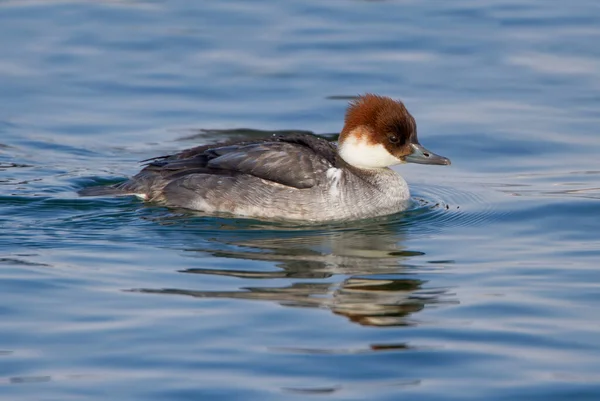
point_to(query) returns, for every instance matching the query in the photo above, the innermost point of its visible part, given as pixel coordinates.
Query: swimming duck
(293, 177)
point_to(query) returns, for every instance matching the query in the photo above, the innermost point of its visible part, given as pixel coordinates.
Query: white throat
(358, 152)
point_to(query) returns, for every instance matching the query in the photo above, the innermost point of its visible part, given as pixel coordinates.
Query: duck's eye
(393, 138)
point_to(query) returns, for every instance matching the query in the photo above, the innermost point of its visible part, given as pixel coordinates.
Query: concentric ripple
(436, 207)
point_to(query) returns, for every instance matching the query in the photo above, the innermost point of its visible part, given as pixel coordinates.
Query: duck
(298, 176)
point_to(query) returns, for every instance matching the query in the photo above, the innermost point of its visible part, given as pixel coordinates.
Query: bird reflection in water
(380, 287)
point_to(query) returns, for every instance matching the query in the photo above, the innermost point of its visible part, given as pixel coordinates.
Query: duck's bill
(423, 156)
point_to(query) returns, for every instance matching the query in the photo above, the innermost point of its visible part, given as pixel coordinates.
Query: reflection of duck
(378, 293)
(367, 301)
(370, 250)
(297, 176)
(382, 302)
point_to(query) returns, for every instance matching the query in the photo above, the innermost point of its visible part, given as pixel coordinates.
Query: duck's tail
(145, 185)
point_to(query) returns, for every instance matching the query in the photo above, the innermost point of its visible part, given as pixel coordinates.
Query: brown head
(380, 132)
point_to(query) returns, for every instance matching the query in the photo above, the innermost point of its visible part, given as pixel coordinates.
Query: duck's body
(296, 177)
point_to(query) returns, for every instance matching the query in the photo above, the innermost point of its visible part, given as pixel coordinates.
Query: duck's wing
(298, 161)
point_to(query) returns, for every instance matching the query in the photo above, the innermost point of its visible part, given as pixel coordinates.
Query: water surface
(486, 289)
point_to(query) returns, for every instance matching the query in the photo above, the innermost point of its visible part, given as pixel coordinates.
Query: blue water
(487, 289)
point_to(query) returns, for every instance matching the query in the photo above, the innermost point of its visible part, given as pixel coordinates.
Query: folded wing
(297, 161)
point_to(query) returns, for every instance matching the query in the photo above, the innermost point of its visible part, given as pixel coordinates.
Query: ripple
(363, 386)
(26, 379)
(21, 262)
(7, 165)
(558, 184)
(437, 207)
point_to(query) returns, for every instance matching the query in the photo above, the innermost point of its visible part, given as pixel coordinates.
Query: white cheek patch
(141, 196)
(360, 153)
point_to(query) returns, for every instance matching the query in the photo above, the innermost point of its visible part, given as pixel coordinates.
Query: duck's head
(380, 132)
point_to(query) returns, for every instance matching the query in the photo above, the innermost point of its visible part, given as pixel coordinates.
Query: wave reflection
(376, 281)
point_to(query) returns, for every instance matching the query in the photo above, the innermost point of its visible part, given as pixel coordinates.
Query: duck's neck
(371, 191)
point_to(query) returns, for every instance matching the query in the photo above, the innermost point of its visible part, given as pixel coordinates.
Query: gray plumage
(298, 177)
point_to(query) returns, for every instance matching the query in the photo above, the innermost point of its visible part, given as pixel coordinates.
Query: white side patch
(202, 205)
(334, 175)
(141, 196)
(360, 153)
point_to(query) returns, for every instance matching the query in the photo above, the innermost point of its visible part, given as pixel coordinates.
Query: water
(486, 289)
